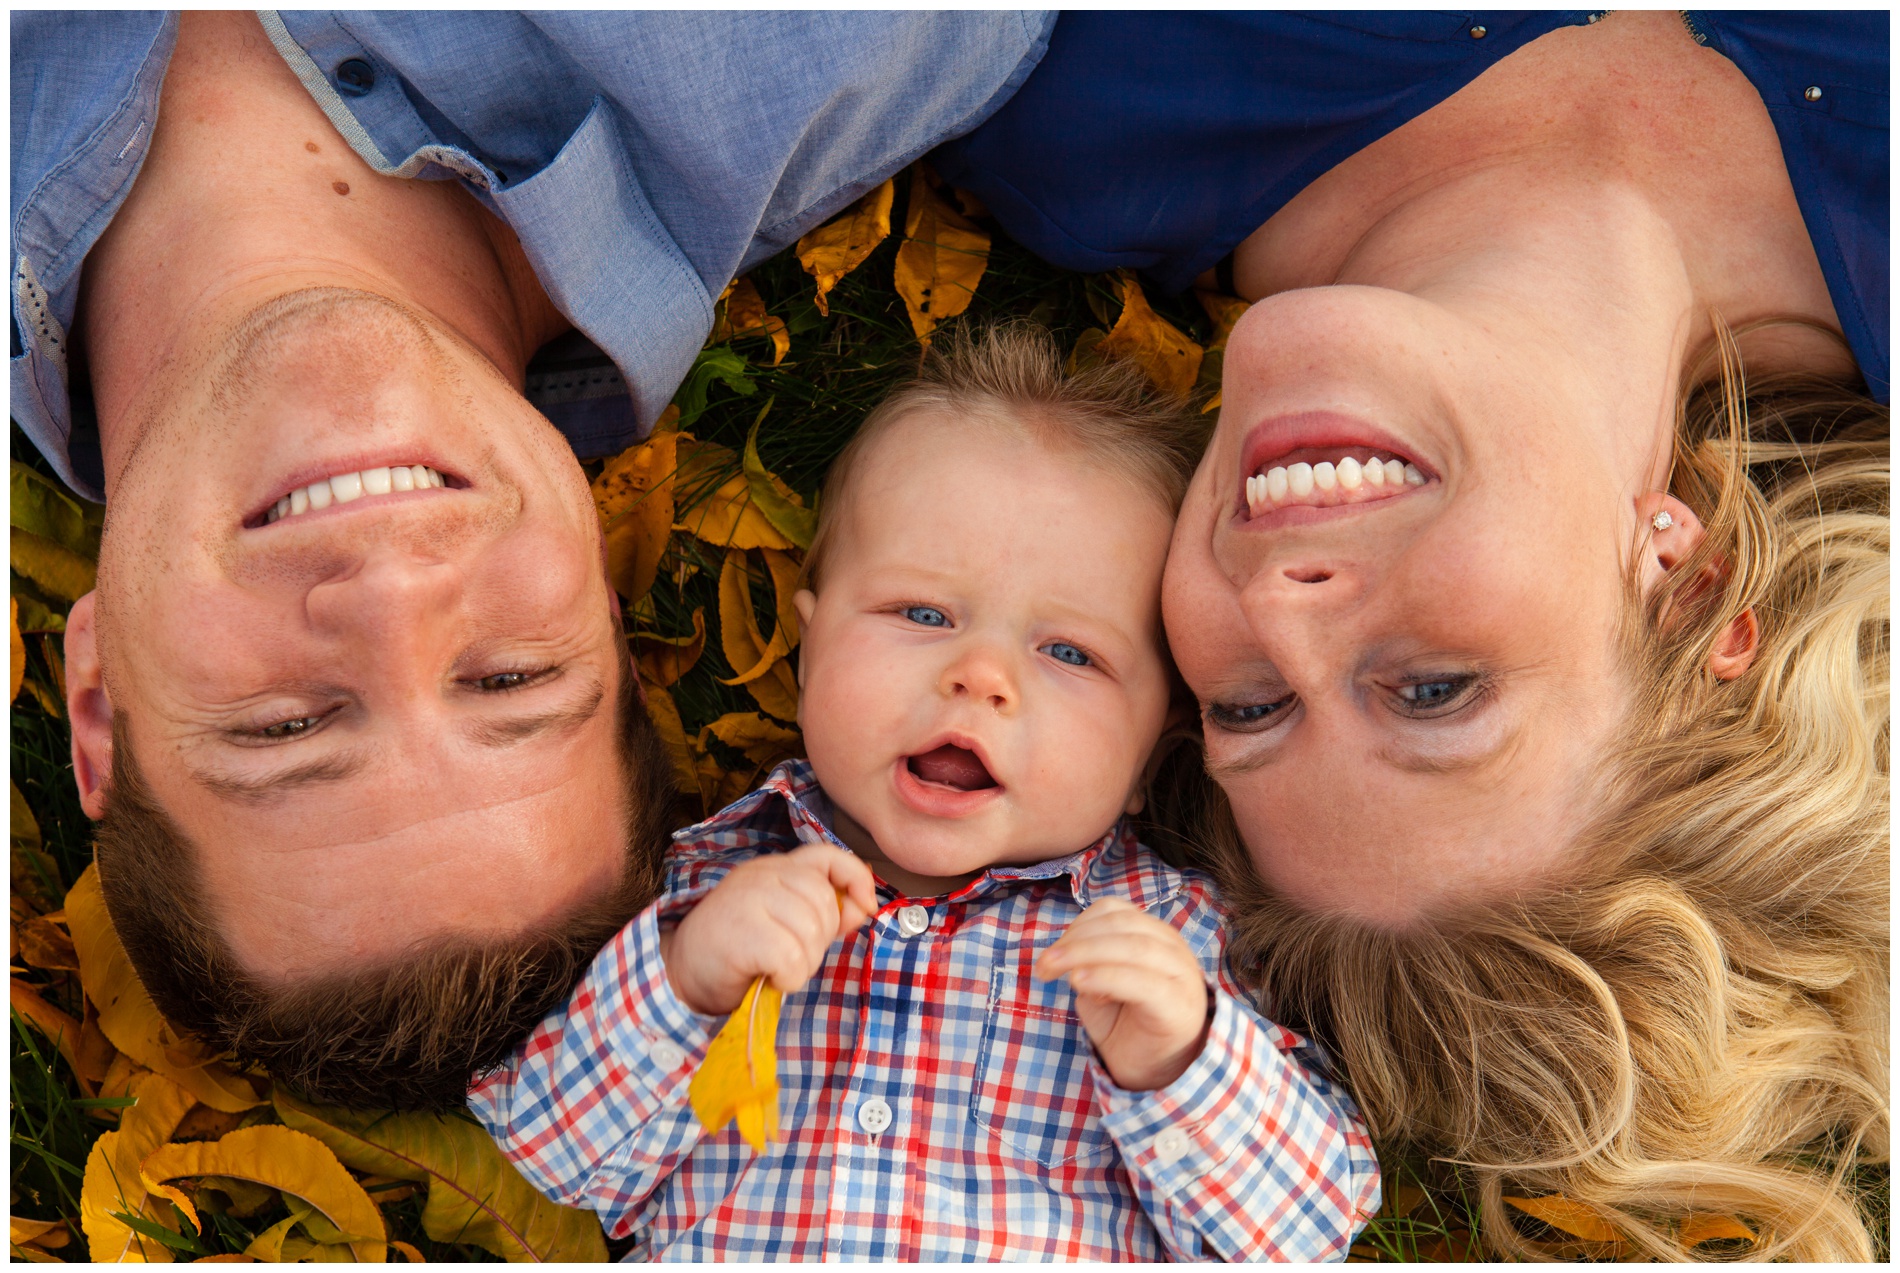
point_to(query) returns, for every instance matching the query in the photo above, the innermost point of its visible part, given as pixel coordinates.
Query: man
(351, 698)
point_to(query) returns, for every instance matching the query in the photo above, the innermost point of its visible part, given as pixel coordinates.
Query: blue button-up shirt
(643, 159)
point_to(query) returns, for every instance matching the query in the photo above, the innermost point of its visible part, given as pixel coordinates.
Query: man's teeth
(345, 487)
(1321, 485)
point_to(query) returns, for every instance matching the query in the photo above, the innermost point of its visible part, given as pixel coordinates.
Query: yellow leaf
(840, 245)
(409, 1253)
(1171, 360)
(475, 1193)
(1705, 1226)
(18, 650)
(229, 1257)
(763, 742)
(127, 1014)
(665, 715)
(1574, 1218)
(268, 1246)
(48, 1233)
(780, 504)
(298, 1164)
(35, 875)
(738, 1078)
(634, 496)
(45, 945)
(742, 313)
(112, 1182)
(941, 259)
(59, 1027)
(664, 659)
(59, 571)
(745, 646)
(1223, 312)
(729, 518)
(41, 507)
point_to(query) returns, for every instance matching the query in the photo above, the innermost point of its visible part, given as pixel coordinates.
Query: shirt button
(912, 920)
(1477, 33)
(355, 77)
(1171, 1146)
(874, 1115)
(1812, 92)
(666, 1054)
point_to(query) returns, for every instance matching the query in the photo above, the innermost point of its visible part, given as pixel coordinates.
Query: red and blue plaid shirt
(937, 1101)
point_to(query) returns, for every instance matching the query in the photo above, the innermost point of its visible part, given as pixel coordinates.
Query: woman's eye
(1242, 718)
(1430, 697)
(290, 728)
(928, 616)
(1063, 652)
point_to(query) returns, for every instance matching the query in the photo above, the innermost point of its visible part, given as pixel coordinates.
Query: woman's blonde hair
(1699, 1023)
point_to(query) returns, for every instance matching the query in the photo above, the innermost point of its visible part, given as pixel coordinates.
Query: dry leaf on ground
(941, 260)
(129, 1017)
(664, 659)
(1142, 336)
(17, 651)
(281, 1158)
(779, 503)
(112, 1182)
(634, 496)
(741, 312)
(1706, 1226)
(840, 245)
(1574, 1218)
(760, 663)
(475, 1194)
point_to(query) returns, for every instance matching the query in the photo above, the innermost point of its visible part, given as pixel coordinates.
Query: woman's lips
(1303, 467)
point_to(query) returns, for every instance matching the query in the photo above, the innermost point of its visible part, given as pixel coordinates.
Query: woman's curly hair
(1698, 1022)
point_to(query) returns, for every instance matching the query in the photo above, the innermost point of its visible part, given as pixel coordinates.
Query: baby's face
(982, 672)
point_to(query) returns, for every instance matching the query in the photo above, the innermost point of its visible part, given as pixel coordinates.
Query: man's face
(385, 720)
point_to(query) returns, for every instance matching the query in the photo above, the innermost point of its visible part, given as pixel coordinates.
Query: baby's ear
(805, 601)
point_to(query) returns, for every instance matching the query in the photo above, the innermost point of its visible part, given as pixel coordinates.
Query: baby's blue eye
(1063, 652)
(929, 616)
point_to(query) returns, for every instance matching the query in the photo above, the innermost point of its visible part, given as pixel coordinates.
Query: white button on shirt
(1171, 1146)
(913, 920)
(666, 1054)
(874, 1115)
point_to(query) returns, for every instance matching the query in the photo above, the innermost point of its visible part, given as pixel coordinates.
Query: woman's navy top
(1158, 141)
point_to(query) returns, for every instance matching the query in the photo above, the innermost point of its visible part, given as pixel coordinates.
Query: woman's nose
(982, 673)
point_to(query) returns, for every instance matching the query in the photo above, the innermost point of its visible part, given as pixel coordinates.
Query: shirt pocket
(1034, 1092)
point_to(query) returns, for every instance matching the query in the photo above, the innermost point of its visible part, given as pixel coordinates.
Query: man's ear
(87, 707)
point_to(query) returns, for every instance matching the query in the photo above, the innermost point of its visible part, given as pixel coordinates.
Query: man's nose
(390, 597)
(982, 673)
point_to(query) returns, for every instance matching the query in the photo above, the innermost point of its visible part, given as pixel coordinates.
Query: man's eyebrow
(506, 733)
(261, 790)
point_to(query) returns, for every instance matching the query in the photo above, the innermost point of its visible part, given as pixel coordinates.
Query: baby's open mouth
(951, 766)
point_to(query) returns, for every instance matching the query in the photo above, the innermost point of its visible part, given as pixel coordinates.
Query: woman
(1552, 765)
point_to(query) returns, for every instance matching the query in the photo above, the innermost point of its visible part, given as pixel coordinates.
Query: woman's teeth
(1325, 485)
(345, 487)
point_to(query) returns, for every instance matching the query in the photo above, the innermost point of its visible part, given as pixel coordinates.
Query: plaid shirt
(938, 1101)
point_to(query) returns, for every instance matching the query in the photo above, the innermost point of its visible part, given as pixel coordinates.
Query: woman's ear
(87, 707)
(1672, 531)
(1734, 650)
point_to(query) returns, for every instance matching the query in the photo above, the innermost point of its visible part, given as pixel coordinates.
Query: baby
(1009, 1031)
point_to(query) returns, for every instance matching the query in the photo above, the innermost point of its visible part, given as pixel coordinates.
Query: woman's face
(1404, 688)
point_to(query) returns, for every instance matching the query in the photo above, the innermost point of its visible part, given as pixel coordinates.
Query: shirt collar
(791, 799)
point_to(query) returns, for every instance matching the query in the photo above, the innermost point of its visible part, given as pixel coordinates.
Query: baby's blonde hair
(1012, 374)
(1699, 1022)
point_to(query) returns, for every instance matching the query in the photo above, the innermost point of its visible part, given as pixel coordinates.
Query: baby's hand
(1139, 990)
(773, 916)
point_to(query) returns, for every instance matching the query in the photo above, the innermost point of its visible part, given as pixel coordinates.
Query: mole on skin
(310, 146)
(341, 187)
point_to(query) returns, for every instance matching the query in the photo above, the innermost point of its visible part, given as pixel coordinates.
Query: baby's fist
(1139, 992)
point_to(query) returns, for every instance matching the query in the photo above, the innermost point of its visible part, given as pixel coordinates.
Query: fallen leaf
(240, 1198)
(1705, 1226)
(738, 1077)
(1574, 1218)
(36, 617)
(719, 365)
(228, 1257)
(17, 650)
(40, 507)
(112, 1184)
(742, 313)
(294, 1162)
(47, 1233)
(766, 676)
(664, 659)
(1166, 354)
(60, 572)
(35, 875)
(475, 1193)
(665, 715)
(779, 502)
(634, 496)
(941, 260)
(205, 1123)
(1223, 312)
(840, 245)
(60, 1028)
(268, 1246)
(409, 1253)
(45, 945)
(727, 517)
(128, 1015)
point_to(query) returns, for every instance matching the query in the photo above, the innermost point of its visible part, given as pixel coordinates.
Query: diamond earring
(1662, 521)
